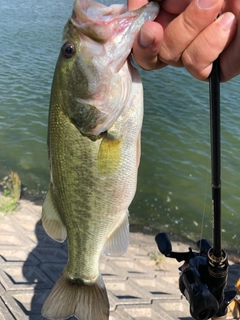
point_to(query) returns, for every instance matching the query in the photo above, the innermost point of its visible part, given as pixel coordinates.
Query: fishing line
(204, 203)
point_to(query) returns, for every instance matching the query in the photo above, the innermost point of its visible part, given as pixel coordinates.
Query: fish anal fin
(51, 220)
(118, 241)
(75, 298)
(138, 148)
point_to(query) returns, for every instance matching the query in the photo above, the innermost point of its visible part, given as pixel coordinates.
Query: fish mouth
(114, 24)
(87, 11)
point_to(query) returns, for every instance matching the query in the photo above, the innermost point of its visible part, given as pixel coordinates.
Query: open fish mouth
(87, 11)
(112, 23)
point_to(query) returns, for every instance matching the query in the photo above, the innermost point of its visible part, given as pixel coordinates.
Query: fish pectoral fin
(75, 298)
(109, 154)
(51, 220)
(118, 241)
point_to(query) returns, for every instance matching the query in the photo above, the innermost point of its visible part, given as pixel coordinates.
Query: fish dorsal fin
(118, 241)
(51, 220)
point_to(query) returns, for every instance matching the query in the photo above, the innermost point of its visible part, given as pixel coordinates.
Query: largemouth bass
(95, 119)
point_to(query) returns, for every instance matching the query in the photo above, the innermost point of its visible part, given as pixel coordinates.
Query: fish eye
(68, 50)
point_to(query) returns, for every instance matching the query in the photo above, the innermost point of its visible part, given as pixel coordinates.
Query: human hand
(230, 57)
(185, 34)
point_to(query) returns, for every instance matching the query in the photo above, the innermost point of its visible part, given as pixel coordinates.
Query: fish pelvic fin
(75, 298)
(118, 240)
(51, 219)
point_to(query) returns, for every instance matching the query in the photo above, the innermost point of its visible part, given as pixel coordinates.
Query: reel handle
(202, 280)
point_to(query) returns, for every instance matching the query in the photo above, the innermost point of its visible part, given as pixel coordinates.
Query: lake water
(174, 186)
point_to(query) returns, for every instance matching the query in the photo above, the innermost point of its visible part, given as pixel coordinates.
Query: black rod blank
(214, 89)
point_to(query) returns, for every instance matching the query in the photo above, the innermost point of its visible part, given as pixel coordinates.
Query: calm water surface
(174, 186)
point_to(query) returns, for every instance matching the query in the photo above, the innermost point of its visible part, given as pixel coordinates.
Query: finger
(170, 6)
(232, 6)
(175, 6)
(135, 4)
(229, 59)
(185, 28)
(198, 57)
(147, 44)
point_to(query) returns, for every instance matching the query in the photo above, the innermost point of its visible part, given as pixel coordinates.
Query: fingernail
(145, 38)
(206, 4)
(226, 20)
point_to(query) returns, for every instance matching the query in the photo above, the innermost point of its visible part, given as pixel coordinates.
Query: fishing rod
(204, 274)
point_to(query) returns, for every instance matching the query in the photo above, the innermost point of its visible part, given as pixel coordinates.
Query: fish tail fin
(76, 298)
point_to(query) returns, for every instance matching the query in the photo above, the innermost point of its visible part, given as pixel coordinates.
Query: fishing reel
(203, 278)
